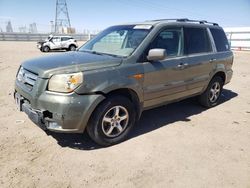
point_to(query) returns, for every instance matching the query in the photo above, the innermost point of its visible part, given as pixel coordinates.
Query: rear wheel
(72, 48)
(212, 94)
(111, 122)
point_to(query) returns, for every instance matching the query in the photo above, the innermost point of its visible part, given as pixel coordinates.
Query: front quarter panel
(109, 79)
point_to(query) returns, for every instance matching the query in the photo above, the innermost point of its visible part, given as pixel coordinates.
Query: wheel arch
(126, 92)
(72, 45)
(221, 74)
(130, 94)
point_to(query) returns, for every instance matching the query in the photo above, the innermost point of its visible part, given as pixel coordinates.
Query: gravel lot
(179, 145)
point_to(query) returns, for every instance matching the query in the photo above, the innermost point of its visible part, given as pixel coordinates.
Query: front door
(165, 80)
(55, 43)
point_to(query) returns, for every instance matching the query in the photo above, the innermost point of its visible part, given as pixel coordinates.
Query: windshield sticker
(142, 27)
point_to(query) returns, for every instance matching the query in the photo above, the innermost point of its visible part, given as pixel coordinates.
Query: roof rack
(187, 20)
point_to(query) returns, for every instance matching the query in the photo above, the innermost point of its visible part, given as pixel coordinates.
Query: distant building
(9, 28)
(22, 29)
(33, 28)
(239, 37)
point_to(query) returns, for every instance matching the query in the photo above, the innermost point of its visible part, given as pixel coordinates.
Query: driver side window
(56, 39)
(169, 39)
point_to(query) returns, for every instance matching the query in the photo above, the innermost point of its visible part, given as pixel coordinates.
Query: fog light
(53, 125)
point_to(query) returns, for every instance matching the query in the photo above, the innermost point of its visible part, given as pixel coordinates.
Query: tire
(211, 95)
(46, 49)
(72, 48)
(112, 120)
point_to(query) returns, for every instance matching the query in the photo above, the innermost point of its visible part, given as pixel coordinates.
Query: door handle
(182, 65)
(212, 60)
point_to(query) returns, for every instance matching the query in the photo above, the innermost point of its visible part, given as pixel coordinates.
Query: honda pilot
(106, 84)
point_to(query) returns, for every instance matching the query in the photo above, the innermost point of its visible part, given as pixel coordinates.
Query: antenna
(62, 16)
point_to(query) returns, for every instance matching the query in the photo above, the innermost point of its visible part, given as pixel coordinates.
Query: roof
(178, 20)
(62, 36)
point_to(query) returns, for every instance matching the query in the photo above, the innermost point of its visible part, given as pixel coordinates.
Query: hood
(41, 42)
(69, 62)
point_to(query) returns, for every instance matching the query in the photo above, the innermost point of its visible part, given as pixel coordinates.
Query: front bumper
(39, 46)
(57, 112)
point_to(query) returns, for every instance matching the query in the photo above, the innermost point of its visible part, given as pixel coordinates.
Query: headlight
(65, 83)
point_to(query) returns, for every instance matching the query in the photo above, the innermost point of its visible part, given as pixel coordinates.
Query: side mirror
(156, 54)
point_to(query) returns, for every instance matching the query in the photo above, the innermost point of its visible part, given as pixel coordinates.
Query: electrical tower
(62, 16)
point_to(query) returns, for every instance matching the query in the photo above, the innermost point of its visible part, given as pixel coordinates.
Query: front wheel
(212, 94)
(46, 49)
(112, 121)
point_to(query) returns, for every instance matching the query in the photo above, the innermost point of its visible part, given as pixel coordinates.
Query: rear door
(198, 58)
(65, 42)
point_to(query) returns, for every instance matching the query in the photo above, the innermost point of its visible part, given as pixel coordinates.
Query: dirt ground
(179, 145)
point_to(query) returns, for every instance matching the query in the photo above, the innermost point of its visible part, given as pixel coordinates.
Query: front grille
(27, 78)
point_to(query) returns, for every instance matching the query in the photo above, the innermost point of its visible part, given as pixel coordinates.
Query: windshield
(118, 40)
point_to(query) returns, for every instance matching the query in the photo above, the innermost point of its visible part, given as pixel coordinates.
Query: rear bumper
(229, 75)
(67, 113)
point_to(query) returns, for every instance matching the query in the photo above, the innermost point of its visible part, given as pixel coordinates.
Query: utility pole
(62, 16)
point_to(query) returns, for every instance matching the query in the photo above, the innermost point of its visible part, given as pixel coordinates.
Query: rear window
(220, 40)
(196, 41)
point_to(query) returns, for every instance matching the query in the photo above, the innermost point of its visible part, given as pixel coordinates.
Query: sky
(99, 14)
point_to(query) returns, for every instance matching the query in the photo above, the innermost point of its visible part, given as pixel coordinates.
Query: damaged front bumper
(57, 112)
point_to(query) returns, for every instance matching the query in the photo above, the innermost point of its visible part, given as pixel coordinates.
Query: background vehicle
(58, 43)
(106, 84)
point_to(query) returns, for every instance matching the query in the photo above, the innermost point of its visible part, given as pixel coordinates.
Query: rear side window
(196, 41)
(220, 40)
(65, 38)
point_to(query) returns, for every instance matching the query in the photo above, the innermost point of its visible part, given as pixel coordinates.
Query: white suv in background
(57, 43)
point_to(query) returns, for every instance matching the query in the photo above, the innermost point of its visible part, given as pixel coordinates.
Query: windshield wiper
(101, 53)
(113, 55)
(92, 52)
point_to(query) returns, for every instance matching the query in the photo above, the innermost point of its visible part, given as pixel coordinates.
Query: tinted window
(196, 41)
(170, 40)
(65, 38)
(220, 40)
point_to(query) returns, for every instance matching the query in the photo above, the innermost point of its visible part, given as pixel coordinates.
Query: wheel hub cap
(115, 121)
(214, 92)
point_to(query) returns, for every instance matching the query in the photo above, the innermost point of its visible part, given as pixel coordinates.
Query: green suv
(105, 85)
